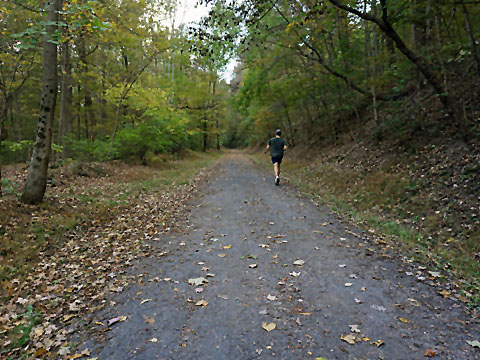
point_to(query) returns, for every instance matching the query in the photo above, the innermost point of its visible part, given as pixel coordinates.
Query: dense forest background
(109, 110)
(133, 85)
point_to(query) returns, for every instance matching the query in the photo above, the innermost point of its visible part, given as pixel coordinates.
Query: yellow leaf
(446, 294)
(351, 339)
(268, 326)
(202, 303)
(404, 320)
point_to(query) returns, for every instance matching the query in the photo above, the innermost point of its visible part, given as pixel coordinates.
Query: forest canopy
(133, 84)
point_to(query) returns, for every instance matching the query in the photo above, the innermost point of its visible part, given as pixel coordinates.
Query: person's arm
(268, 147)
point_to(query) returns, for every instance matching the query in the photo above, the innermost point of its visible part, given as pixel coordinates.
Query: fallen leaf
(354, 329)
(349, 338)
(222, 255)
(153, 340)
(295, 274)
(446, 294)
(201, 303)
(348, 284)
(377, 343)
(40, 352)
(116, 319)
(275, 256)
(64, 351)
(268, 326)
(199, 290)
(85, 352)
(429, 353)
(252, 266)
(377, 307)
(271, 297)
(474, 343)
(404, 320)
(299, 262)
(145, 301)
(197, 281)
(227, 247)
(69, 316)
(148, 319)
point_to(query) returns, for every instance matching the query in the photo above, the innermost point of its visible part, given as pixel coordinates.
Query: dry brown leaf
(148, 319)
(429, 353)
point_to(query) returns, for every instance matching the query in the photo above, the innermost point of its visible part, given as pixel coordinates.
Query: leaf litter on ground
(104, 240)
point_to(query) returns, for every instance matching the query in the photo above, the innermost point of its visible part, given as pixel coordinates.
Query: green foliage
(21, 333)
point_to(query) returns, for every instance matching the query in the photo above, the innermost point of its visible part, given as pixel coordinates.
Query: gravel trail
(274, 259)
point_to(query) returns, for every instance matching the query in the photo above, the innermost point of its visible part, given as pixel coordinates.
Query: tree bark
(36, 183)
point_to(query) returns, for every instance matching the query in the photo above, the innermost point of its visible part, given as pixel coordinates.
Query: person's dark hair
(278, 132)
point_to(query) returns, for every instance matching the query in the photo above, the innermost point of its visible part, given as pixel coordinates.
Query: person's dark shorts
(277, 159)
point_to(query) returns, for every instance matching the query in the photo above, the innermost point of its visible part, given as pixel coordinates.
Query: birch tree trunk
(36, 183)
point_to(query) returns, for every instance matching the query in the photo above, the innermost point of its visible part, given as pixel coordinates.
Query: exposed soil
(243, 236)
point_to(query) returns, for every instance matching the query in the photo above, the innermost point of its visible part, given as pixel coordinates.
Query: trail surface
(243, 236)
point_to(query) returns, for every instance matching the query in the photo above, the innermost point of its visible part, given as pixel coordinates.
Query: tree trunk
(3, 136)
(66, 99)
(289, 121)
(90, 119)
(36, 183)
(205, 135)
(449, 101)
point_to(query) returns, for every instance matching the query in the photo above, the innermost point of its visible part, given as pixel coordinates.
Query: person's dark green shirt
(276, 146)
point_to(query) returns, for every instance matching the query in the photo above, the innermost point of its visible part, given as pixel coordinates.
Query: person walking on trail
(277, 146)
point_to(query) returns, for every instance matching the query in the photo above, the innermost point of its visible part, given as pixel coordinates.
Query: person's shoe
(277, 180)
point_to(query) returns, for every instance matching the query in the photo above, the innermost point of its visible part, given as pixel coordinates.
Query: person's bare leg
(276, 169)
